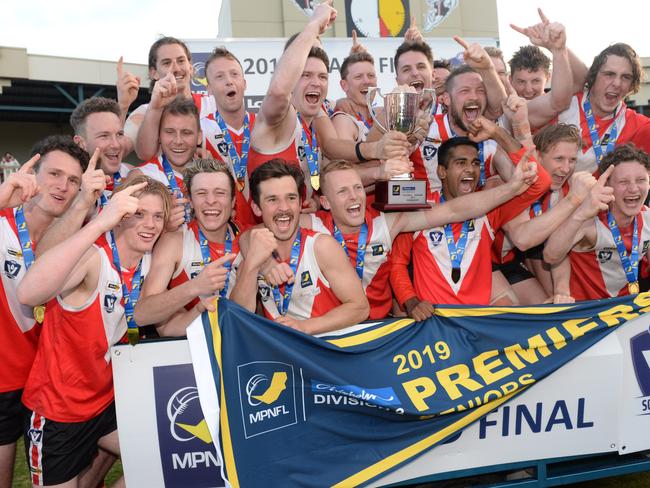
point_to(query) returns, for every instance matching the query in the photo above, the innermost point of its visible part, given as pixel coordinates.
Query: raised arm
(164, 91)
(127, 86)
(60, 268)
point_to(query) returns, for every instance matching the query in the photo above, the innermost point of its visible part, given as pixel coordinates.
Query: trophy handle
(370, 96)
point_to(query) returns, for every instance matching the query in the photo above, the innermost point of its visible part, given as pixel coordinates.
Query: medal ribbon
(173, 185)
(593, 132)
(205, 255)
(129, 299)
(116, 181)
(23, 236)
(365, 122)
(630, 261)
(239, 163)
(311, 150)
(361, 246)
(456, 249)
(282, 302)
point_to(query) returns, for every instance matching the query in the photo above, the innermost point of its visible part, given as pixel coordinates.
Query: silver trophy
(401, 110)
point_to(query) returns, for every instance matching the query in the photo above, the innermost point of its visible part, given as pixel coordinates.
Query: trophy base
(400, 195)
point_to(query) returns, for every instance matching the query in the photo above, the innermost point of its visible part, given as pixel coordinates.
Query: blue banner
(344, 410)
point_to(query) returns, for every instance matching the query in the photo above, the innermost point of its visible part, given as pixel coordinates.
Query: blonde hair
(206, 165)
(153, 187)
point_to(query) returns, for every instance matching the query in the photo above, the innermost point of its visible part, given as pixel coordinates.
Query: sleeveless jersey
(215, 143)
(192, 261)
(18, 330)
(598, 272)
(425, 157)
(376, 267)
(362, 130)
(71, 379)
(630, 126)
(293, 153)
(154, 169)
(312, 295)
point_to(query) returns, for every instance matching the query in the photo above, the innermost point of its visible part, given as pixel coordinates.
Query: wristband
(357, 150)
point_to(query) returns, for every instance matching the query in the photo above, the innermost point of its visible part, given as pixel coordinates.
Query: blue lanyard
(311, 154)
(327, 105)
(116, 181)
(205, 254)
(593, 132)
(282, 303)
(365, 122)
(129, 298)
(456, 249)
(630, 262)
(361, 246)
(23, 236)
(239, 163)
(173, 185)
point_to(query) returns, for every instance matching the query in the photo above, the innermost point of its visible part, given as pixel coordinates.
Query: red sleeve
(641, 138)
(518, 204)
(400, 280)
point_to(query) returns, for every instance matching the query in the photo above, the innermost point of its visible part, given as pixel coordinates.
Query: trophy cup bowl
(401, 109)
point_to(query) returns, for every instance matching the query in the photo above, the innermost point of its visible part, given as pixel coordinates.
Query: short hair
(550, 135)
(624, 153)
(61, 143)
(206, 165)
(495, 52)
(275, 168)
(90, 106)
(619, 49)
(421, 47)
(442, 63)
(530, 58)
(154, 187)
(153, 53)
(318, 53)
(218, 53)
(355, 58)
(460, 70)
(331, 167)
(444, 151)
(182, 106)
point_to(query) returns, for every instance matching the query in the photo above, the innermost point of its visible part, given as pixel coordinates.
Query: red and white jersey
(204, 103)
(425, 157)
(293, 153)
(503, 250)
(124, 171)
(71, 379)
(362, 130)
(154, 169)
(630, 126)
(18, 330)
(312, 295)
(192, 261)
(598, 272)
(376, 264)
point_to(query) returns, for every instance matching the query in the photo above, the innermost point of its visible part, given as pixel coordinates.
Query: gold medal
(633, 288)
(315, 182)
(241, 184)
(39, 313)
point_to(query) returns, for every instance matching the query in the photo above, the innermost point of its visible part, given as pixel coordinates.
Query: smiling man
(88, 283)
(57, 177)
(326, 294)
(605, 247)
(193, 263)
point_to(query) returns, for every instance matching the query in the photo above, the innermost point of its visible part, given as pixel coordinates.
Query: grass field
(642, 480)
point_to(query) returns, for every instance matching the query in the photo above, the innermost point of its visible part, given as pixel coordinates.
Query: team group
(536, 197)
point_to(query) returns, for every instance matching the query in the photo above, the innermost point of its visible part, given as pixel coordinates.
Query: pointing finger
(521, 30)
(414, 24)
(134, 188)
(92, 164)
(120, 67)
(605, 176)
(462, 42)
(226, 258)
(354, 37)
(29, 165)
(542, 16)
